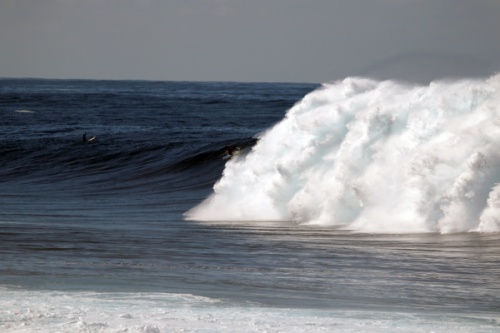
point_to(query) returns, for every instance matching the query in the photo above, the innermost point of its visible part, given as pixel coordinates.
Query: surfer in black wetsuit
(91, 140)
(232, 150)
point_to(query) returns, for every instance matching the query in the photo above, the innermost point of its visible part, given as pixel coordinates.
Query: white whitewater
(374, 157)
(73, 312)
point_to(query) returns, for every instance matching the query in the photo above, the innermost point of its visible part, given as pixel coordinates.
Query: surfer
(232, 151)
(85, 138)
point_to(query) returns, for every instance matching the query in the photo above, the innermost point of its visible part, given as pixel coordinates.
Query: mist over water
(373, 156)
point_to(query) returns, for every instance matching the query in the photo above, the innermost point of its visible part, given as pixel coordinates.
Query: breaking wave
(374, 157)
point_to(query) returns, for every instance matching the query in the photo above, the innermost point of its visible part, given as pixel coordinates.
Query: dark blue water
(159, 150)
(107, 216)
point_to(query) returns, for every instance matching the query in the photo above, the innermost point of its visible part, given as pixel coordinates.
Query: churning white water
(37, 311)
(375, 157)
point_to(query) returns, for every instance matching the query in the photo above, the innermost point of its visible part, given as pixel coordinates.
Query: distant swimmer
(89, 140)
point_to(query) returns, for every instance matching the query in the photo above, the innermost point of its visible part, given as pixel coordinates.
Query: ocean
(351, 206)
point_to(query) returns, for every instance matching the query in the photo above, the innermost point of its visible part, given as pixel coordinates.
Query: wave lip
(374, 157)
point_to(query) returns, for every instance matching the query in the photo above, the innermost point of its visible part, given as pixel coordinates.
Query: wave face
(166, 139)
(374, 157)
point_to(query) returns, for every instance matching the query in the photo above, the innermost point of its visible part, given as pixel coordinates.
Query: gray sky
(249, 40)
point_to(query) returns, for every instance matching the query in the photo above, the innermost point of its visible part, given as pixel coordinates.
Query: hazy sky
(249, 40)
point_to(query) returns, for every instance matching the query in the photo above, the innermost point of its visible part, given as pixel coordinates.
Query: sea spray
(375, 157)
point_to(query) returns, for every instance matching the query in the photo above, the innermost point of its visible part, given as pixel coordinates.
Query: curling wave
(374, 157)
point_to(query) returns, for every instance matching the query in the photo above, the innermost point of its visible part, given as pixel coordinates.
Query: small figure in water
(232, 151)
(89, 140)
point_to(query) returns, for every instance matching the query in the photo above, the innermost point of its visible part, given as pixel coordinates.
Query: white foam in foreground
(37, 311)
(375, 157)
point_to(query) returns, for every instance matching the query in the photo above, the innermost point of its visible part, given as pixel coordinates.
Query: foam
(50, 311)
(373, 157)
